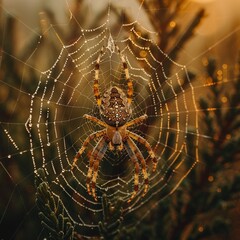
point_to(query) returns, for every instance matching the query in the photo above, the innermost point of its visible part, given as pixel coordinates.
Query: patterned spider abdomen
(115, 109)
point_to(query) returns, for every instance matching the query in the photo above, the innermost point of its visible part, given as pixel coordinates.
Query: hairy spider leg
(85, 143)
(89, 174)
(147, 145)
(96, 156)
(136, 120)
(136, 171)
(96, 79)
(96, 120)
(127, 75)
(140, 157)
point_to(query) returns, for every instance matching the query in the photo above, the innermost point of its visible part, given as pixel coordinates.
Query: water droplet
(9, 156)
(48, 144)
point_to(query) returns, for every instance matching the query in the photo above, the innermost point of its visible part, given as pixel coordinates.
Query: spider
(115, 111)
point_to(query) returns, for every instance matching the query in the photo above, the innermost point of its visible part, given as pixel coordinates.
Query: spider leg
(96, 78)
(89, 174)
(136, 120)
(139, 156)
(127, 75)
(136, 172)
(147, 145)
(96, 156)
(84, 145)
(96, 120)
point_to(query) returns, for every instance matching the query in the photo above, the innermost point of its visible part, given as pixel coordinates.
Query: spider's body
(115, 110)
(116, 137)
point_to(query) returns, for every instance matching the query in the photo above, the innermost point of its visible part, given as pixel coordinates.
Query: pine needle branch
(112, 219)
(51, 211)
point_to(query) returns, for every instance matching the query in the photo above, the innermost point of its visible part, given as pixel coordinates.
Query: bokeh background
(206, 205)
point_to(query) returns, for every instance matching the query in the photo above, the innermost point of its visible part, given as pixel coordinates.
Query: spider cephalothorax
(115, 110)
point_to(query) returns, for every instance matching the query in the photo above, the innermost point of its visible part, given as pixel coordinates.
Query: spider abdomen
(115, 109)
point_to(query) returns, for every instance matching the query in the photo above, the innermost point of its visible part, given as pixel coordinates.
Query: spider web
(63, 93)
